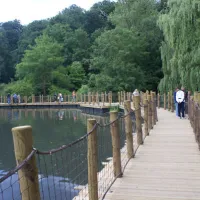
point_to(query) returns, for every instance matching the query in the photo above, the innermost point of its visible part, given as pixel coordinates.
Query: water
(51, 129)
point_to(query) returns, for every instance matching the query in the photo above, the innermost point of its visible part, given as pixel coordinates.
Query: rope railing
(83, 169)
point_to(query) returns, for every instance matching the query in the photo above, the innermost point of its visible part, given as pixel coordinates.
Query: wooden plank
(166, 167)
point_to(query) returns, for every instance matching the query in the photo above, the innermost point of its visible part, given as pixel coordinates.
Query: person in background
(74, 96)
(15, 98)
(175, 102)
(180, 98)
(55, 97)
(8, 98)
(60, 97)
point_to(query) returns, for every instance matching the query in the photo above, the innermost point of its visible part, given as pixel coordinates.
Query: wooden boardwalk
(166, 167)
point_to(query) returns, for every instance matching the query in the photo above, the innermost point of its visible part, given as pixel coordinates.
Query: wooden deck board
(166, 167)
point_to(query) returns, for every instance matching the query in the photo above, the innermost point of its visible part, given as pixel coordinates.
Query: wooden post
(119, 99)
(195, 96)
(33, 99)
(165, 101)
(128, 129)
(149, 113)
(11, 99)
(84, 98)
(65, 98)
(92, 161)
(109, 98)
(93, 100)
(168, 101)
(124, 94)
(25, 99)
(23, 142)
(146, 130)
(103, 99)
(153, 109)
(138, 120)
(116, 144)
(158, 101)
(68, 98)
(172, 102)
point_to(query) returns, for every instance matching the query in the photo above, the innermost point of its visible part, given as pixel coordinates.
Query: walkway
(166, 167)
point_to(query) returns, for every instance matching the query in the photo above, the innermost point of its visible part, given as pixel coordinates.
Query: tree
(39, 62)
(28, 36)
(10, 33)
(130, 52)
(76, 75)
(74, 16)
(97, 16)
(118, 60)
(180, 50)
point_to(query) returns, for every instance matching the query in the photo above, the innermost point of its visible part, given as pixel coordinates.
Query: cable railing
(84, 169)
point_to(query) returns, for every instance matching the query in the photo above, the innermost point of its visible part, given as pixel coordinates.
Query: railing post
(168, 101)
(149, 113)
(146, 117)
(172, 102)
(153, 109)
(92, 160)
(138, 120)
(26, 99)
(68, 98)
(28, 175)
(109, 98)
(84, 98)
(158, 101)
(103, 99)
(128, 129)
(165, 101)
(119, 97)
(116, 144)
(93, 100)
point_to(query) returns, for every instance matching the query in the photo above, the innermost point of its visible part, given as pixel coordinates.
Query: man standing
(180, 98)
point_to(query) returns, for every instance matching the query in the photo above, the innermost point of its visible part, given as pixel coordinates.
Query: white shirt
(180, 96)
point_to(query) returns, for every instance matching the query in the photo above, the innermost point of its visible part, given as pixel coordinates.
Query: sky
(29, 10)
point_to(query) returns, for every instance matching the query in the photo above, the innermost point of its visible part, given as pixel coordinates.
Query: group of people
(59, 97)
(15, 98)
(180, 98)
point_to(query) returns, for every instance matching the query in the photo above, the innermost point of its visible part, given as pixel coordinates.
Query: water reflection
(53, 128)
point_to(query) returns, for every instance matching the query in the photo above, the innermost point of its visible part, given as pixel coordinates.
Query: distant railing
(91, 98)
(86, 168)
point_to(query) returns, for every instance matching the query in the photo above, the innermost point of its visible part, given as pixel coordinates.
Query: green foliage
(55, 90)
(180, 49)
(39, 62)
(83, 90)
(128, 57)
(114, 108)
(24, 88)
(111, 47)
(76, 75)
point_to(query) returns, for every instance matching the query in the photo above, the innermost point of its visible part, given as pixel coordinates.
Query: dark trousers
(181, 109)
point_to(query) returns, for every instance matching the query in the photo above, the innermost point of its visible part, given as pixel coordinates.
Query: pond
(62, 172)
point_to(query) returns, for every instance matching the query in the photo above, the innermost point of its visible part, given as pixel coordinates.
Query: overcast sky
(29, 10)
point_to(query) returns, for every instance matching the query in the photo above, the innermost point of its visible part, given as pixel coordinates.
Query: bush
(23, 88)
(54, 89)
(83, 90)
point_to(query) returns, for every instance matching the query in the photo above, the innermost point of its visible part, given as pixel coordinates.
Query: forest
(114, 46)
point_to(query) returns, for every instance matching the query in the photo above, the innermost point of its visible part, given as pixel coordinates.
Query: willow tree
(180, 50)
